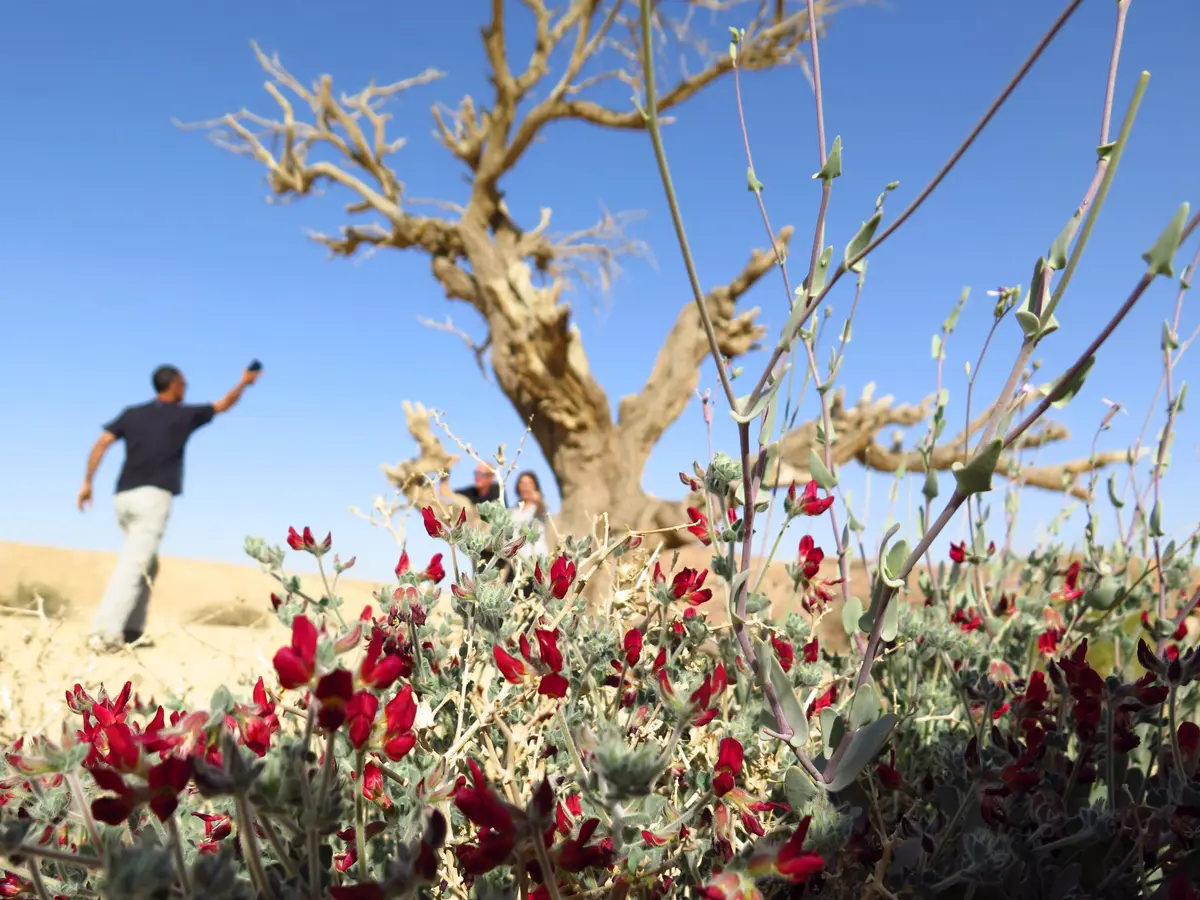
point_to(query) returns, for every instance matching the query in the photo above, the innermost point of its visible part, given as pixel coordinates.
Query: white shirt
(524, 515)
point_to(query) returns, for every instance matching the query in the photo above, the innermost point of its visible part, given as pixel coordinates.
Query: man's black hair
(163, 378)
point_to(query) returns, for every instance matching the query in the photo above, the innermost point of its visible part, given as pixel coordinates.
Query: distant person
(530, 509)
(484, 489)
(155, 435)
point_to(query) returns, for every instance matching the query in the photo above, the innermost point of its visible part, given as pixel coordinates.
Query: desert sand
(211, 624)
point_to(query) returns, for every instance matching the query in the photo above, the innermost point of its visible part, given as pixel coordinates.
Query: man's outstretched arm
(230, 400)
(101, 446)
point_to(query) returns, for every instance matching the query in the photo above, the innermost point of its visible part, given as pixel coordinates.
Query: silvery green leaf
(821, 475)
(1071, 387)
(1057, 257)
(864, 747)
(861, 240)
(798, 788)
(1160, 258)
(864, 707)
(833, 162)
(793, 710)
(976, 476)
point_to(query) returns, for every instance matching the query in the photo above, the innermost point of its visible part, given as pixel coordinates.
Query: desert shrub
(34, 597)
(1023, 728)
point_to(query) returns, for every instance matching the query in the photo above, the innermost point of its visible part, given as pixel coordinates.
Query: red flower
(794, 862)
(1188, 736)
(958, 552)
(808, 504)
(729, 766)
(433, 525)
(553, 684)
(576, 854)
(360, 713)
(699, 526)
(811, 651)
(164, 783)
(784, 651)
(562, 575)
(379, 673)
(403, 566)
(510, 667)
(307, 543)
(497, 835)
(968, 622)
(400, 713)
(632, 646)
(811, 557)
(334, 692)
(1048, 641)
(1070, 589)
(297, 664)
(688, 586)
(435, 571)
(217, 827)
(825, 701)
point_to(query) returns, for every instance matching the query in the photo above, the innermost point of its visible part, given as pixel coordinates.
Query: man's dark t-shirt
(476, 496)
(155, 434)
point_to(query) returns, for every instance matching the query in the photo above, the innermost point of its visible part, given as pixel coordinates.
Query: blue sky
(129, 243)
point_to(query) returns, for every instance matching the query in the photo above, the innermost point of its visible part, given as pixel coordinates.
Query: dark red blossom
(377, 670)
(576, 854)
(399, 714)
(360, 714)
(808, 503)
(1047, 641)
(435, 571)
(699, 526)
(1070, 590)
(784, 652)
(966, 621)
(632, 645)
(305, 541)
(562, 576)
(825, 701)
(510, 667)
(812, 651)
(297, 664)
(958, 552)
(434, 526)
(497, 836)
(791, 861)
(728, 767)
(688, 586)
(333, 693)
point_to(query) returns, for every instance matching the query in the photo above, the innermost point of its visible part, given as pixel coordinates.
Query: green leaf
(895, 559)
(1074, 385)
(935, 351)
(752, 182)
(833, 727)
(930, 489)
(864, 747)
(976, 476)
(1156, 519)
(852, 612)
(1169, 339)
(1116, 501)
(952, 319)
(818, 279)
(798, 788)
(760, 405)
(1161, 256)
(793, 710)
(861, 240)
(865, 707)
(820, 474)
(833, 162)
(1030, 324)
(1057, 257)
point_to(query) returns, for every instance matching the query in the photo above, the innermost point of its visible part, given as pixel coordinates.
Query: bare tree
(514, 278)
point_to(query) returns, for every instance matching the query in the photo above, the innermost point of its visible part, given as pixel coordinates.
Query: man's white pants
(142, 514)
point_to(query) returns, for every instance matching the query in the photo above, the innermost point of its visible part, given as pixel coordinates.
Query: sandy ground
(210, 623)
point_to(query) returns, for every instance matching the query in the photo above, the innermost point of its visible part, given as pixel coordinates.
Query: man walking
(155, 435)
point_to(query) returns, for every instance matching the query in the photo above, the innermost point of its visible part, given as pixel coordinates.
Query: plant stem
(660, 155)
(360, 816)
(254, 862)
(185, 878)
(937, 179)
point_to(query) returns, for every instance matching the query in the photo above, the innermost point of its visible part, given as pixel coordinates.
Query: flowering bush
(1021, 726)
